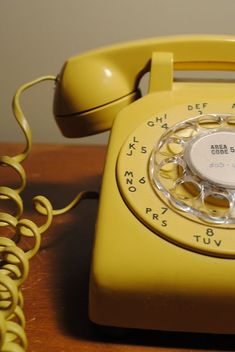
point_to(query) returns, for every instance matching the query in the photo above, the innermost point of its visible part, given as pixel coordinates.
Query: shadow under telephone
(164, 246)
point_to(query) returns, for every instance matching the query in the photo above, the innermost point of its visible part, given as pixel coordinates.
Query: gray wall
(38, 36)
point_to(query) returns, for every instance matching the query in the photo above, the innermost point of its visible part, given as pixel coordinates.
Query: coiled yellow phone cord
(14, 261)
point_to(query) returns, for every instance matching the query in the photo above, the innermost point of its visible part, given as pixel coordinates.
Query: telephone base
(156, 267)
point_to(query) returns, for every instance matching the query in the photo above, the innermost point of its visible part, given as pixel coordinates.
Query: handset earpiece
(92, 88)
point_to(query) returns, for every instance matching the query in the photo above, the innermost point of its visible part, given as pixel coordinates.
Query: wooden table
(56, 290)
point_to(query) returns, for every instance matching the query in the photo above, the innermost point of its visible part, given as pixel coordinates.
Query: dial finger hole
(217, 204)
(186, 130)
(166, 173)
(231, 121)
(187, 189)
(172, 168)
(210, 121)
(175, 146)
(163, 151)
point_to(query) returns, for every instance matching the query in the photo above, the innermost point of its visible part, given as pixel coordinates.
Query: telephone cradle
(164, 247)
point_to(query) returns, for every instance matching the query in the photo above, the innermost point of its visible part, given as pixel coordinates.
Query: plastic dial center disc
(211, 156)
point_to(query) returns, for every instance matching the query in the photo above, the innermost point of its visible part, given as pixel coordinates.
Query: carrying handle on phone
(98, 84)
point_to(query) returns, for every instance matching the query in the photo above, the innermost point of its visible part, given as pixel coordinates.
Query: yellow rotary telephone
(164, 251)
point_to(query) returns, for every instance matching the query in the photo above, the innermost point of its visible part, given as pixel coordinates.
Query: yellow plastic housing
(153, 266)
(145, 274)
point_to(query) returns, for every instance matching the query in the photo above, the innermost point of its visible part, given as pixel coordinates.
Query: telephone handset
(94, 87)
(164, 250)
